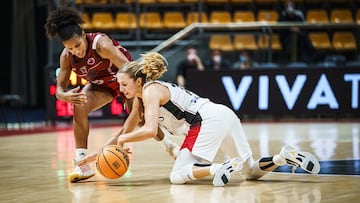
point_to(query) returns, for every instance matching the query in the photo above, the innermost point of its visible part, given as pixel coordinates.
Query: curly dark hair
(63, 22)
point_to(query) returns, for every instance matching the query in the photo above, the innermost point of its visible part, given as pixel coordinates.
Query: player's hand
(76, 97)
(87, 159)
(127, 150)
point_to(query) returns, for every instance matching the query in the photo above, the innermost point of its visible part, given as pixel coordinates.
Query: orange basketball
(112, 161)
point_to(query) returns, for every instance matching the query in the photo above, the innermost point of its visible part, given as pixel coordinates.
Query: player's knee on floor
(182, 175)
(176, 178)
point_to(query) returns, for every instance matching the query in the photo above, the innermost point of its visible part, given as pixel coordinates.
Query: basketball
(112, 161)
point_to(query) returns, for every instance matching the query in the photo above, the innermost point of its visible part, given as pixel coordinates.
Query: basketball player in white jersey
(208, 127)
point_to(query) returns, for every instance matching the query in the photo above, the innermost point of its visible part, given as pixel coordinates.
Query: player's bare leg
(95, 100)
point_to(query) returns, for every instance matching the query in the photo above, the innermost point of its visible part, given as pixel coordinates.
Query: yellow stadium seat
(190, 1)
(244, 16)
(317, 16)
(194, 17)
(222, 42)
(220, 17)
(174, 20)
(320, 40)
(125, 20)
(87, 21)
(78, 2)
(169, 1)
(95, 1)
(215, 1)
(357, 16)
(268, 15)
(341, 16)
(344, 41)
(151, 20)
(245, 42)
(146, 1)
(263, 42)
(241, 1)
(103, 20)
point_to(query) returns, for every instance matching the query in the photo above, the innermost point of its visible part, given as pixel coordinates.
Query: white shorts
(220, 129)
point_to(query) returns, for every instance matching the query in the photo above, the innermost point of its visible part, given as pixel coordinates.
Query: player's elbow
(150, 132)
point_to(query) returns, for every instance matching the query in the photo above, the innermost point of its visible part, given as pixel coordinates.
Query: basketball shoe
(82, 172)
(304, 160)
(223, 174)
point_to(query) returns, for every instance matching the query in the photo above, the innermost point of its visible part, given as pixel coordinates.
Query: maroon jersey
(97, 70)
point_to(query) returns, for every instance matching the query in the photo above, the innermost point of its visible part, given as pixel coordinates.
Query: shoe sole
(312, 165)
(73, 178)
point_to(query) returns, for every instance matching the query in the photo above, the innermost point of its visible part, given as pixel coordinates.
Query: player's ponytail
(150, 66)
(153, 65)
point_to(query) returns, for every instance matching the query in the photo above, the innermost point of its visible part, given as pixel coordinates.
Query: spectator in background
(217, 61)
(304, 48)
(192, 62)
(244, 62)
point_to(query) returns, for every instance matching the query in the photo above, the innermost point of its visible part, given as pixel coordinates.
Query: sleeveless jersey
(97, 70)
(181, 111)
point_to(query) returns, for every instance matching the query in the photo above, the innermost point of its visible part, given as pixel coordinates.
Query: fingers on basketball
(112, 161)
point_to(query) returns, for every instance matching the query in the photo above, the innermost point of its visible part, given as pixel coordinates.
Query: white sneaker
(81, 173)
(173, 150)
(223, 174)
(304, 160)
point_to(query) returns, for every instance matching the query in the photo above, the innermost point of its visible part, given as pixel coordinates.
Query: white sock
(166, 142)
(80, 153)
(279, 160)
(214, 168)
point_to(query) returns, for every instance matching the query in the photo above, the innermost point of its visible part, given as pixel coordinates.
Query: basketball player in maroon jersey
(95, 57)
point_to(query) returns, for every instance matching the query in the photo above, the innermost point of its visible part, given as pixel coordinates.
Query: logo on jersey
(91, 61)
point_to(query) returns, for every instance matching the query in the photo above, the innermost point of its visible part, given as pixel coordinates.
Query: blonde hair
(150, 66)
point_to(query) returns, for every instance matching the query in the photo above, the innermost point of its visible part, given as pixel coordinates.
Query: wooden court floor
(34, 168)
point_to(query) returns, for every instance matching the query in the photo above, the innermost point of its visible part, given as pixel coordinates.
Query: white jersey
(181, 111)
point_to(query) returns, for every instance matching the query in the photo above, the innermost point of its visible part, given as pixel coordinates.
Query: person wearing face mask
(244, 62)
(217, 61)
(191, 62)
(296, 42)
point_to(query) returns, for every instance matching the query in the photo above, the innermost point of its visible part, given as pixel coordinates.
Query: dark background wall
(6, 63)
(25, 48)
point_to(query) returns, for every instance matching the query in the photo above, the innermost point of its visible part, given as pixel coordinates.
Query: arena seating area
(156, 20)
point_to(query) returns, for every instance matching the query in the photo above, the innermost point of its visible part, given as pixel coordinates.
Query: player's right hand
(76, 97)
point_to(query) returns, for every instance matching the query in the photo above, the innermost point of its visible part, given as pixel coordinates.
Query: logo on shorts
(91, 61)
